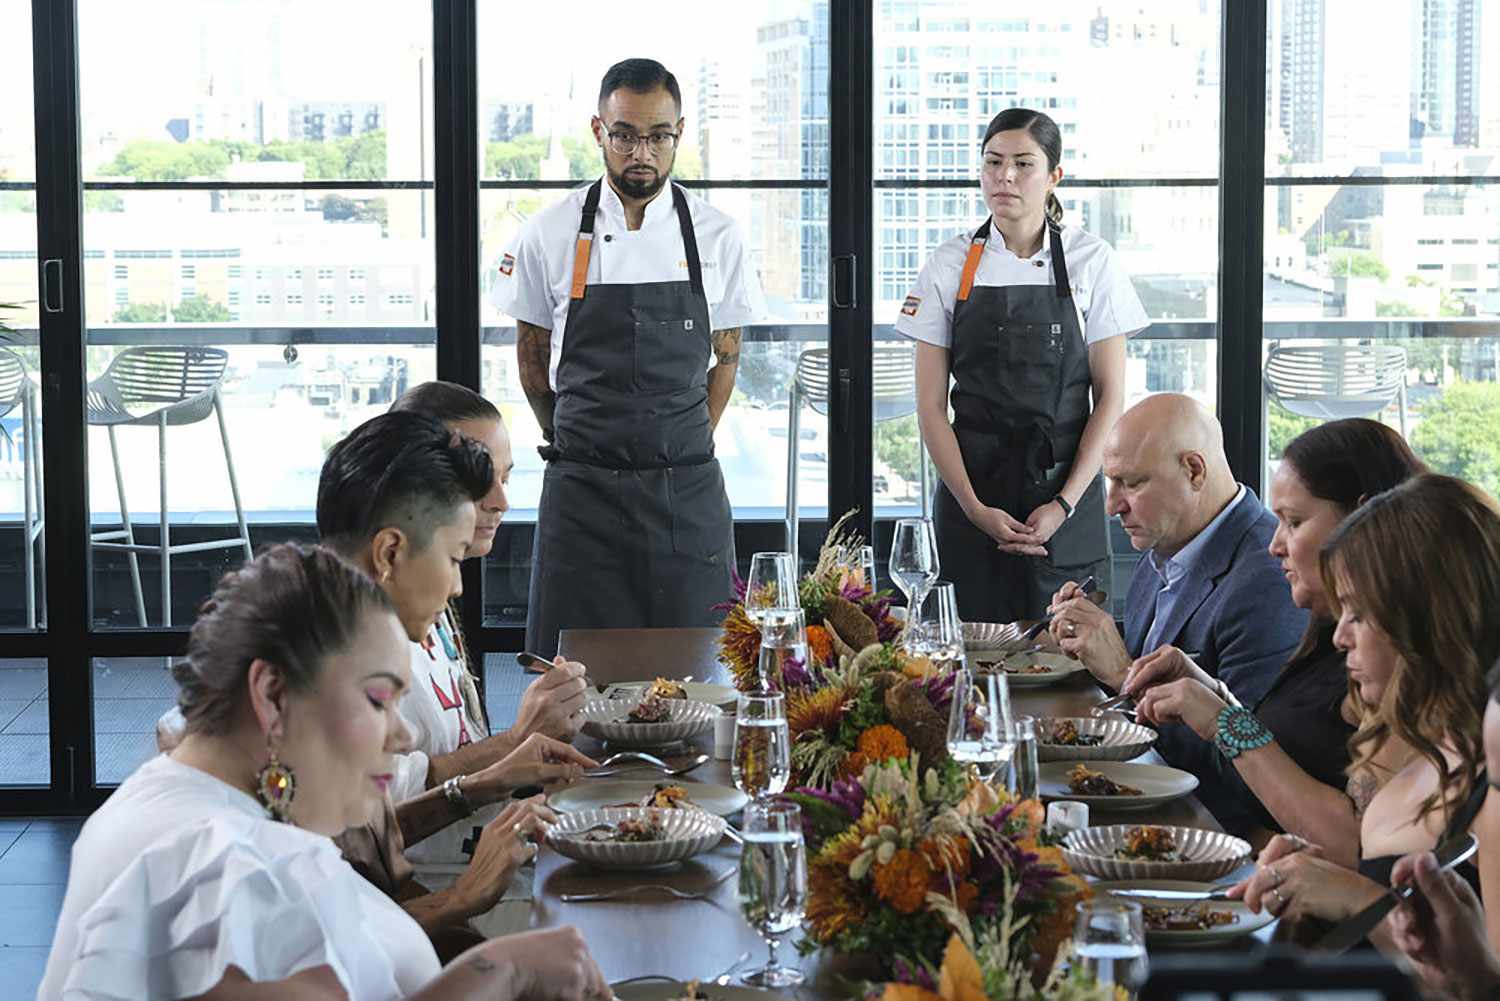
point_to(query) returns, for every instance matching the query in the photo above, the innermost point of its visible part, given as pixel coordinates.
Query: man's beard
(635, 187)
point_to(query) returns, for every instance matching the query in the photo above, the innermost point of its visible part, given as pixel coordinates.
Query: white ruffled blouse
(233, 888)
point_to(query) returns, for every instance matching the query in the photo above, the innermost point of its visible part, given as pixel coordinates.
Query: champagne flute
(979, 730)
(1025, 778)
(1109, 938)
(783, 650)
(867, 566)
(773, 882)
(937, 633)
(762, 762)
(772, 584)
(914, 560)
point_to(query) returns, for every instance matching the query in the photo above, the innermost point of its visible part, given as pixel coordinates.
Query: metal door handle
(845, 270)
(52, 285)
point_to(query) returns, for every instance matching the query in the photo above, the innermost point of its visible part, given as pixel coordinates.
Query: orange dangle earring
(275, 786)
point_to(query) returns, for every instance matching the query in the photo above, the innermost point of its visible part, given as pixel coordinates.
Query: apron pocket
(702, 522)
(1031, 357)
(667, 353)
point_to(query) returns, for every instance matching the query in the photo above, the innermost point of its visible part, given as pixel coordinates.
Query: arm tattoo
(1361, 789)
(727, 346)
(534, 354)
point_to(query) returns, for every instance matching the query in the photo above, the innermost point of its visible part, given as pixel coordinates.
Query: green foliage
(1460, 433)
(1356, 264)
(142, 312)
(1396, 309)
(351, 158)
(1282, 426)
(7, 332)
(198, 309)
(896, 445)
(868, 710)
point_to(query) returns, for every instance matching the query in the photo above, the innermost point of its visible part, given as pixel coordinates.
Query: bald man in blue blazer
(1205, 584)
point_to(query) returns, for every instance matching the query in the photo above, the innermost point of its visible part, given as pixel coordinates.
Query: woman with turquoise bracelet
(1286, 759)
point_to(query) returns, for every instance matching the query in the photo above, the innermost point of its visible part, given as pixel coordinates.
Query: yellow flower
(820, 709)
(882, 742)
(844, 848)
(902, 882)
(739, 646)
(832, 902)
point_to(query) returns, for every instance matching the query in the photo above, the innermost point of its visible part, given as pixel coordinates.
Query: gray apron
(1020, 403)
(634, 527)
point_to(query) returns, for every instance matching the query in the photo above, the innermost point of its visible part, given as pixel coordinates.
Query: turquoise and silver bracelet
(1240, 731)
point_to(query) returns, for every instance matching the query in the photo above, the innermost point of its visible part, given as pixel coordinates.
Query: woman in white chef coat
(1026, 319)
(210, 872)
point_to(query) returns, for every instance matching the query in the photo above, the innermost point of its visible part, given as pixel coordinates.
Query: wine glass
(783, 649)
(914, 560)
(936, 632)
(773, 882)
(867, 566)
(979, 731)
(772, 584)
(1109, 939)
(762, 761)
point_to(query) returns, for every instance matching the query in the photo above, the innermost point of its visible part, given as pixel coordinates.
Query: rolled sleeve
(1115, 308)
(522, 286)
(927, 313)
(743, 302)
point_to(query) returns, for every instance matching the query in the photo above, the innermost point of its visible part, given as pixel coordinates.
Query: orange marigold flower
(946, 853)
(882, 742)
(853, 766)
(1031, 812)
(820, 644)
(902, 882)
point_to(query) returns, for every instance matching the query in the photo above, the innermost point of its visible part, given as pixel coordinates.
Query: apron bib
(634, 527)
(1020, 403)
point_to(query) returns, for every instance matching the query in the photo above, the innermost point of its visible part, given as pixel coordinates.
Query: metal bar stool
(1333, 381)
(163, 386)
(894, 388)
(17, 390)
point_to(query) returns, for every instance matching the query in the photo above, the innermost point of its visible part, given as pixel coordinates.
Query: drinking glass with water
(979, 731)
(773, 882)
(914, 560)
(783, 647)
(1024, 777)
(1109, 939)
(936, 632)
(762, 757)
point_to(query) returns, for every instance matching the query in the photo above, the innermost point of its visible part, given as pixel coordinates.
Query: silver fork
(703, 894)
(650, 760)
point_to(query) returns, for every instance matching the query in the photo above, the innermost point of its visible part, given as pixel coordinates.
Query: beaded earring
(275, 787)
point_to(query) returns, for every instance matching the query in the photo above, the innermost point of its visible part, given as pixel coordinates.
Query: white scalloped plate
(1249, 922)
(1123, 740)
(697, 691)
(597, 794)
(1206, 855)
(1158, 784)
(1059, 666)
(601, 719)
(687, 833)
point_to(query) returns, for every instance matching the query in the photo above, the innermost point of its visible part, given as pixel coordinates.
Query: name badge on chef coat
(687, 324)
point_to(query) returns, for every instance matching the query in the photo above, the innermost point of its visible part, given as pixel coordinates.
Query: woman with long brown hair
(1285, 759)
(1413, 576)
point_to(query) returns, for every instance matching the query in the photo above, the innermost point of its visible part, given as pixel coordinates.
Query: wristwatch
(1062, 502)
(456, 798)
(1240, 731)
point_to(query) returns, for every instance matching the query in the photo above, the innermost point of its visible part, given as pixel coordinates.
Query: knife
(1213, 894)
(1351, 932)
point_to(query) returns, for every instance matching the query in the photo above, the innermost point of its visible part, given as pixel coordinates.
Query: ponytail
(1054, 210)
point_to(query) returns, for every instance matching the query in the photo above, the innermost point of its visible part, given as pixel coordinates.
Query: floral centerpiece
(856, 698)
(910, 864)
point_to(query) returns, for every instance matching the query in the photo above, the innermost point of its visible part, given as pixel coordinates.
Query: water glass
(979, 731)
(783, 647)
(1109, 939)
(936, 632)
(867, 567)
(1024, 778)
(772, 584)
(762, 757)
(914, 559)
(773, 882)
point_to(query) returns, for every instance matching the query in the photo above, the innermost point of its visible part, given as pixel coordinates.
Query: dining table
(648, 933)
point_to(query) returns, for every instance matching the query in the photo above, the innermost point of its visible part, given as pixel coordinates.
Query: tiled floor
(128, 697)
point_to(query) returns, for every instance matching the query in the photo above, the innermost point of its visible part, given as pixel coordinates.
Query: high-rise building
(505, 120)
(1435, 31)
(1476, 74)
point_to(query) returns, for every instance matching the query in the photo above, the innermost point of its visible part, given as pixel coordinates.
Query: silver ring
(1072, 629)
(523, 835)
(1280, 900)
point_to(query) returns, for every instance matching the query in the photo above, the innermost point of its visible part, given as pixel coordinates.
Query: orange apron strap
(971, 266)
(581, 263)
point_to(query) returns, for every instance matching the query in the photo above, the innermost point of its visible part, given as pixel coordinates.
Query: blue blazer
(1235, 612)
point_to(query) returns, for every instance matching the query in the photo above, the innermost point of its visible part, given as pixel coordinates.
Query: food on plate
(690, 992)
(1148, 844)
(666, 797)
(630, 830)
(1065, 732)
(1188, 917)
(1032, 668)
(653, 709)
(664, 688)
(1084, 781)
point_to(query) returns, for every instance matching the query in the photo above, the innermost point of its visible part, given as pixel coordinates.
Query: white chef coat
(1106, 301)
(441, 710)
(533, 280)
(179, 875)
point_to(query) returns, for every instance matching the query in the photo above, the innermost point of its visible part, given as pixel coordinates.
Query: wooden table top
(656, 934)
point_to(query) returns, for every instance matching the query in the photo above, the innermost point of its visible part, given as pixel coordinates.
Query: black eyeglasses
(625, 143)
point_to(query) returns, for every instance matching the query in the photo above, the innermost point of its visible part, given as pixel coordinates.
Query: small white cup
(1066, 816)
(724, 735)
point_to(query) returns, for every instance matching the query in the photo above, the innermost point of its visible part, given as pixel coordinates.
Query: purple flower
(794, 673)
(906, 973)
(737, 586)
(846, 794)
